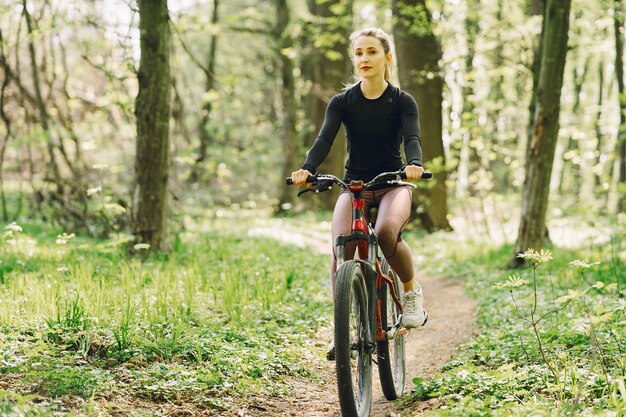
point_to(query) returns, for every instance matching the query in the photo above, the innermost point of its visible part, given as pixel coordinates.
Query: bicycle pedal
(396, 331)
(402, 331)
(330, 351)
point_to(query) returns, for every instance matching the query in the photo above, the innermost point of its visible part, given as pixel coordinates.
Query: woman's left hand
(413, 172)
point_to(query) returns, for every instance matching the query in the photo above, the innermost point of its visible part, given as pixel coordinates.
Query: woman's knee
(388, 239)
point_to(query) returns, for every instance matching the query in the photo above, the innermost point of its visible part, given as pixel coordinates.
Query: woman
(376, 116)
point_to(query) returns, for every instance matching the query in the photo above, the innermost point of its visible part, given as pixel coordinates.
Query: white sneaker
(330, 350)
(413, 314)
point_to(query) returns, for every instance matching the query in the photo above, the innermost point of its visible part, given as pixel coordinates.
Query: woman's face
(369, 57)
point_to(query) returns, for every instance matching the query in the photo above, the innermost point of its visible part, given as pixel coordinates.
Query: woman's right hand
(299, 177)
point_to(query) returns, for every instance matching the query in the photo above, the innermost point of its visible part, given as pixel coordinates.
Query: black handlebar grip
(309, 179)
(425, 175)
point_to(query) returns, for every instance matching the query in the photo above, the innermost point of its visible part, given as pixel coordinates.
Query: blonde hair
(379, 34)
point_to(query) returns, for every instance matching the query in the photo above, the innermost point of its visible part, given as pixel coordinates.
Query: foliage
(168, 327)
(555, 348)
(88, 51)
(220, 319)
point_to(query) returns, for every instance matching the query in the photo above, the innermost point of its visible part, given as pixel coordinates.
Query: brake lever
(305, 191)
(324, 185)
(400, 182)
(319, 186)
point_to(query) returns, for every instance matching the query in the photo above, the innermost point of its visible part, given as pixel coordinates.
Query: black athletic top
(374, 130)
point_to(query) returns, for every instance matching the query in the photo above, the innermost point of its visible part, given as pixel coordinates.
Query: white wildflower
(114, 208)
(513, 281)
(13, 227)
(92, 191)
(541, 257)
(582, 264)
(620, 305)
(64, 238)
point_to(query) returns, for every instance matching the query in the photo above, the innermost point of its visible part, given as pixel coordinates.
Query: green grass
(552, 339)
(227, 316)
(222, 318)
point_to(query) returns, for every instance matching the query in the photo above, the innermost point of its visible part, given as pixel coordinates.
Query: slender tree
(8, 130)
(598, 122)
(328, 68)
(541, 149)
(44, 116)
(419, 53)
(206, 115)
(535, 8)
(618, 20)
(469, 119)
(568, 168)
(286, 105)
(153, 113)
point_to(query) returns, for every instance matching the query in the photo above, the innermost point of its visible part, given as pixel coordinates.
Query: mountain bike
(368, 308)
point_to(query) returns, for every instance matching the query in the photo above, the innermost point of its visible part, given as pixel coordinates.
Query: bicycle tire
(353, 357)
(391, 353)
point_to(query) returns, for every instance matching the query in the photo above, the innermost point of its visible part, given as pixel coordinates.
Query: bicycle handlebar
(394, 177)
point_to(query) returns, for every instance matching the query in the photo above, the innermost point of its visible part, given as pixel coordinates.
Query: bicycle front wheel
(391, 355)
(353, 354)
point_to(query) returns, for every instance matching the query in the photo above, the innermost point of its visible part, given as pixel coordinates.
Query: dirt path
(450, 323)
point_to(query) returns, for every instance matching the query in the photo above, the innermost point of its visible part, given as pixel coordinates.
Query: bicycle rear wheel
(391, 354)
(353, 355)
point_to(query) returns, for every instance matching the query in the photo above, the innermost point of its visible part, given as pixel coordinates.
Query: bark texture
(540, 158)
(153, 113)
(419, 52)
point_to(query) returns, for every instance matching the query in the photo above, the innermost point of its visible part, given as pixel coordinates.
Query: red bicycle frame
(360, 227)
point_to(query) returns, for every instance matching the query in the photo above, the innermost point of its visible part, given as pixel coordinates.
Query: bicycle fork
(373, 280)
(366, 244)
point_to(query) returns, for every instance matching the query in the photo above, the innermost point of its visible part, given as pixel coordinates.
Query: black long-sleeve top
(374, 131)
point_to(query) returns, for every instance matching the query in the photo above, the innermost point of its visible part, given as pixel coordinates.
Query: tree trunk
(599, 177)
(419, 52)
(535, 7)
(153, 112)
(331, 66)
(7, 135)
(567, 170)
(207, 107)
(494, 157)
(469, 119)
(618, 20)
(287, 103)
(540, 158)
(44, 117)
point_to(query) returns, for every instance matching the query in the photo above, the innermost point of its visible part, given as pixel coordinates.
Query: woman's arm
(326, 136)
(409, 116)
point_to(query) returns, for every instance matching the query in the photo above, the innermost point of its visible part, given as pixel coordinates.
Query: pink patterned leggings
(394, 209)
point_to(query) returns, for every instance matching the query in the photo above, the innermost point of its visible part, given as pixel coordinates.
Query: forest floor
(450, 323)
(193, 350)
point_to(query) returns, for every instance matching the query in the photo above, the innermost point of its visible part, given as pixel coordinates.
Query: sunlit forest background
(70, 83)
(153, 262)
